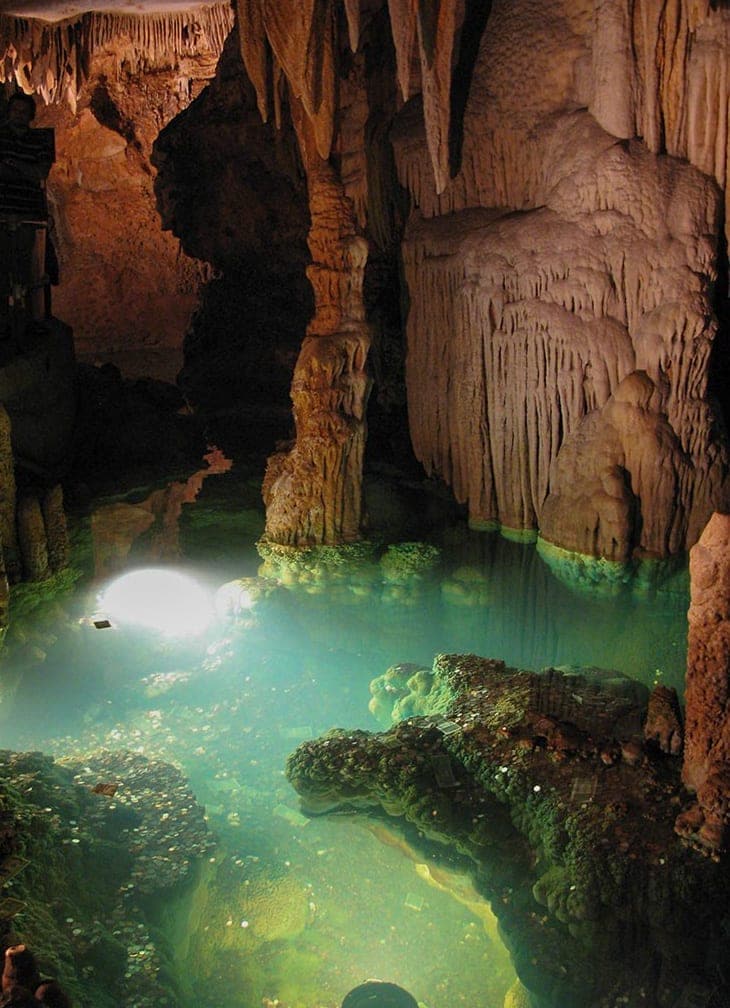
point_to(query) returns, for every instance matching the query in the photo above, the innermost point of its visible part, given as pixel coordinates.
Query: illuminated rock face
(561, 284)
(112, 81)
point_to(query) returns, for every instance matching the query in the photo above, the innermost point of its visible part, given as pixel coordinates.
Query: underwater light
(160, 599)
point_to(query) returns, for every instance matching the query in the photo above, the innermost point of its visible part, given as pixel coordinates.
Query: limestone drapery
(51, 58)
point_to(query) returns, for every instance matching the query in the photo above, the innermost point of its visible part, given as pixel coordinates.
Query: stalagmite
(54, 521)
(313, 492)
(32, 539)
(437, 27)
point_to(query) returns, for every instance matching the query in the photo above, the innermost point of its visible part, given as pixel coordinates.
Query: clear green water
(286, 908)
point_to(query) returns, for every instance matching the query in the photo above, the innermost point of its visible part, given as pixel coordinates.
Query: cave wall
(559, 336)
(107, 84)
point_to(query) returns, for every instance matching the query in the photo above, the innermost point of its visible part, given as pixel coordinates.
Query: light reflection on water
(353, 898)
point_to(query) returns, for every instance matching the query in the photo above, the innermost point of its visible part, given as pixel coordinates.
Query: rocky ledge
(563, 788)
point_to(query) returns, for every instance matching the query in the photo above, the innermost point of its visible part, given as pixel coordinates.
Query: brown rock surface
(313, 492)
(113, 81)
(706, 768)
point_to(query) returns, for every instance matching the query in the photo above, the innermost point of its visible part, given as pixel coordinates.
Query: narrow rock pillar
(313, 491)
(706, 768)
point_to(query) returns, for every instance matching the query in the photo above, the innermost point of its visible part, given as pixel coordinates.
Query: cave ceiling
(48, 10)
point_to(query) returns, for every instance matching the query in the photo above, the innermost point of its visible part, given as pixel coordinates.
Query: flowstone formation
(573, 267)
(565, 803)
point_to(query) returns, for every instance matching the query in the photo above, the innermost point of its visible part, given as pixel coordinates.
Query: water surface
(288, 908)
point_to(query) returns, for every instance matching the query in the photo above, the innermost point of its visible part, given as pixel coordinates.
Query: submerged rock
(84, 843)
(545, 781)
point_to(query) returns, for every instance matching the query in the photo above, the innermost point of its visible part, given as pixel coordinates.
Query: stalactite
(302, 37)
(54, 57)
(254, 50)
(352, 12)
(661, 73)
(403, 20)
(437, 27)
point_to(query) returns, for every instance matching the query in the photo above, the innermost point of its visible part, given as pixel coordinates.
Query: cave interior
(409, 264)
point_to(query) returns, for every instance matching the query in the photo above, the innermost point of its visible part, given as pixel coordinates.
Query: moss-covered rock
(572, 840)
(83, 845)
(314, 567)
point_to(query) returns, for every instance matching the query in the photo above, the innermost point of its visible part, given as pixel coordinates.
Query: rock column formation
(313, 492)
(706, 768)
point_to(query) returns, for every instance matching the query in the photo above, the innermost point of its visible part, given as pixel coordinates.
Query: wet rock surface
(546, 783)
(84, 842)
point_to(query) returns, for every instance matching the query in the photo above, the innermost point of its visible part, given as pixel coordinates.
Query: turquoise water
(285, 908)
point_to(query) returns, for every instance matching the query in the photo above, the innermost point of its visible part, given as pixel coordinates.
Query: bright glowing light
(232, 598)
(160, 599)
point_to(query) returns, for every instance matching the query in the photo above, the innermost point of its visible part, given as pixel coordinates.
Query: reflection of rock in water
(115, 527)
